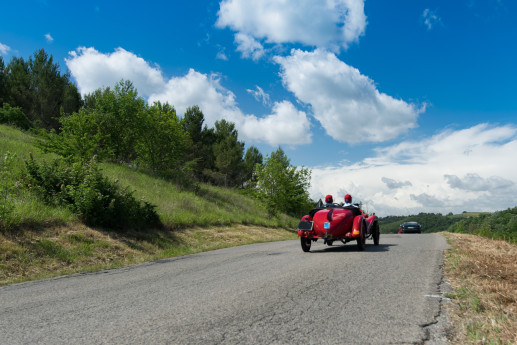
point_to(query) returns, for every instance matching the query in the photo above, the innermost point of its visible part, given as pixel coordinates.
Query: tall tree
(200, 152)
(47, 86)
(228, 151)
(119, 113)
(18, 85)
(251, 159)
(282, 186)
(163, 141)
(39, 88)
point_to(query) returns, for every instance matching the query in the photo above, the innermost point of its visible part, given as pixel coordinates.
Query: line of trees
(116, 125)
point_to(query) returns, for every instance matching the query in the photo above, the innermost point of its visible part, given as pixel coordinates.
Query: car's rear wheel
(329, 243)
(376, 234)
(306, 243)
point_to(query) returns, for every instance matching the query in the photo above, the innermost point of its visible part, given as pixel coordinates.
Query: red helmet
(348, 198)
(328, 199)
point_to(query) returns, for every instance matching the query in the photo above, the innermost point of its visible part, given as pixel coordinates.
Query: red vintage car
(335, 222)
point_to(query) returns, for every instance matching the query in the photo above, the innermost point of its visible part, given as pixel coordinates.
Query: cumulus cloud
(392, 184)
(329, 24)
(49, 38)
(345, 102)
(286, 124)
(93, 70)
(452, 171)
(4, 49)
(430, 19)
(249, 47)
(202, 90)
(474, 182)
(427, 200)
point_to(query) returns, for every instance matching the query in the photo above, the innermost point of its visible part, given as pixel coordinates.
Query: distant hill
(431, 222)
(498, 225)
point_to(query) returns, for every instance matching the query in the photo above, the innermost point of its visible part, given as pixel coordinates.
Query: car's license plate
(305, 225)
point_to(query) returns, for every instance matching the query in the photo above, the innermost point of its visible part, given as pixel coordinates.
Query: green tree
(79, 140)
(200, 151)
(72, 100)
(39, 88)
(119, 114)
(282, 186)
(228, 151)
(18, 85)
(162, 142)
(14, 116)
(251, 159)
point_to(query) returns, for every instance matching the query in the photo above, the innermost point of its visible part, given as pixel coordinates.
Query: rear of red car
(331, 224)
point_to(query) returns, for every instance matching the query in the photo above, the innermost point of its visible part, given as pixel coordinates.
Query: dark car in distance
(410, 227)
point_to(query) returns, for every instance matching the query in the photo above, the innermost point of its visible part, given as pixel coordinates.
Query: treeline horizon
(114, 124)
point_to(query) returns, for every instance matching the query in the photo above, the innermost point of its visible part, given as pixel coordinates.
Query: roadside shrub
(82, 188)
(7, 187)
(14, 116)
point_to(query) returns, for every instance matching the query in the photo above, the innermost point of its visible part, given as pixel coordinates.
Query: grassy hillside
(202, 205)
(41, 240)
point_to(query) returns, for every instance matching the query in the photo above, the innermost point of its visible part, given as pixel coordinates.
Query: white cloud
(453, 171)
(286, 125)
(49, 38)
(430, 19)
(393, 184)
(474, 182)
(249, 47)
(93, 70)
(330, 24)
(202, 90)
(221, 55)
(4, 49)
(345, 102)
(260, 95)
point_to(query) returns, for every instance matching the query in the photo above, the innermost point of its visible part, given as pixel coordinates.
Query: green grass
(177, 207)
(206, 206)
(43, 241)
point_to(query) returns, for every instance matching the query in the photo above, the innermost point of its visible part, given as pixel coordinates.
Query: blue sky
(407, 105)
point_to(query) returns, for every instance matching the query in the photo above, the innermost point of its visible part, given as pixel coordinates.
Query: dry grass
(37, 254)
(483, 275)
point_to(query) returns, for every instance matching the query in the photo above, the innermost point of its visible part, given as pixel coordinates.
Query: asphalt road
(270, 293)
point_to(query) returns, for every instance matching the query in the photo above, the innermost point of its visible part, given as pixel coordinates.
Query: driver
(329, 201)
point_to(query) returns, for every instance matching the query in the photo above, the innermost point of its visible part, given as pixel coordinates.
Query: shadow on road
(370, 248)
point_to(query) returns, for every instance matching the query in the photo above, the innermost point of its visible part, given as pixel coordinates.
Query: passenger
(348, 205)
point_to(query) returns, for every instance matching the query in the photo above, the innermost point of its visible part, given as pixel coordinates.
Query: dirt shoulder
(483, 276)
